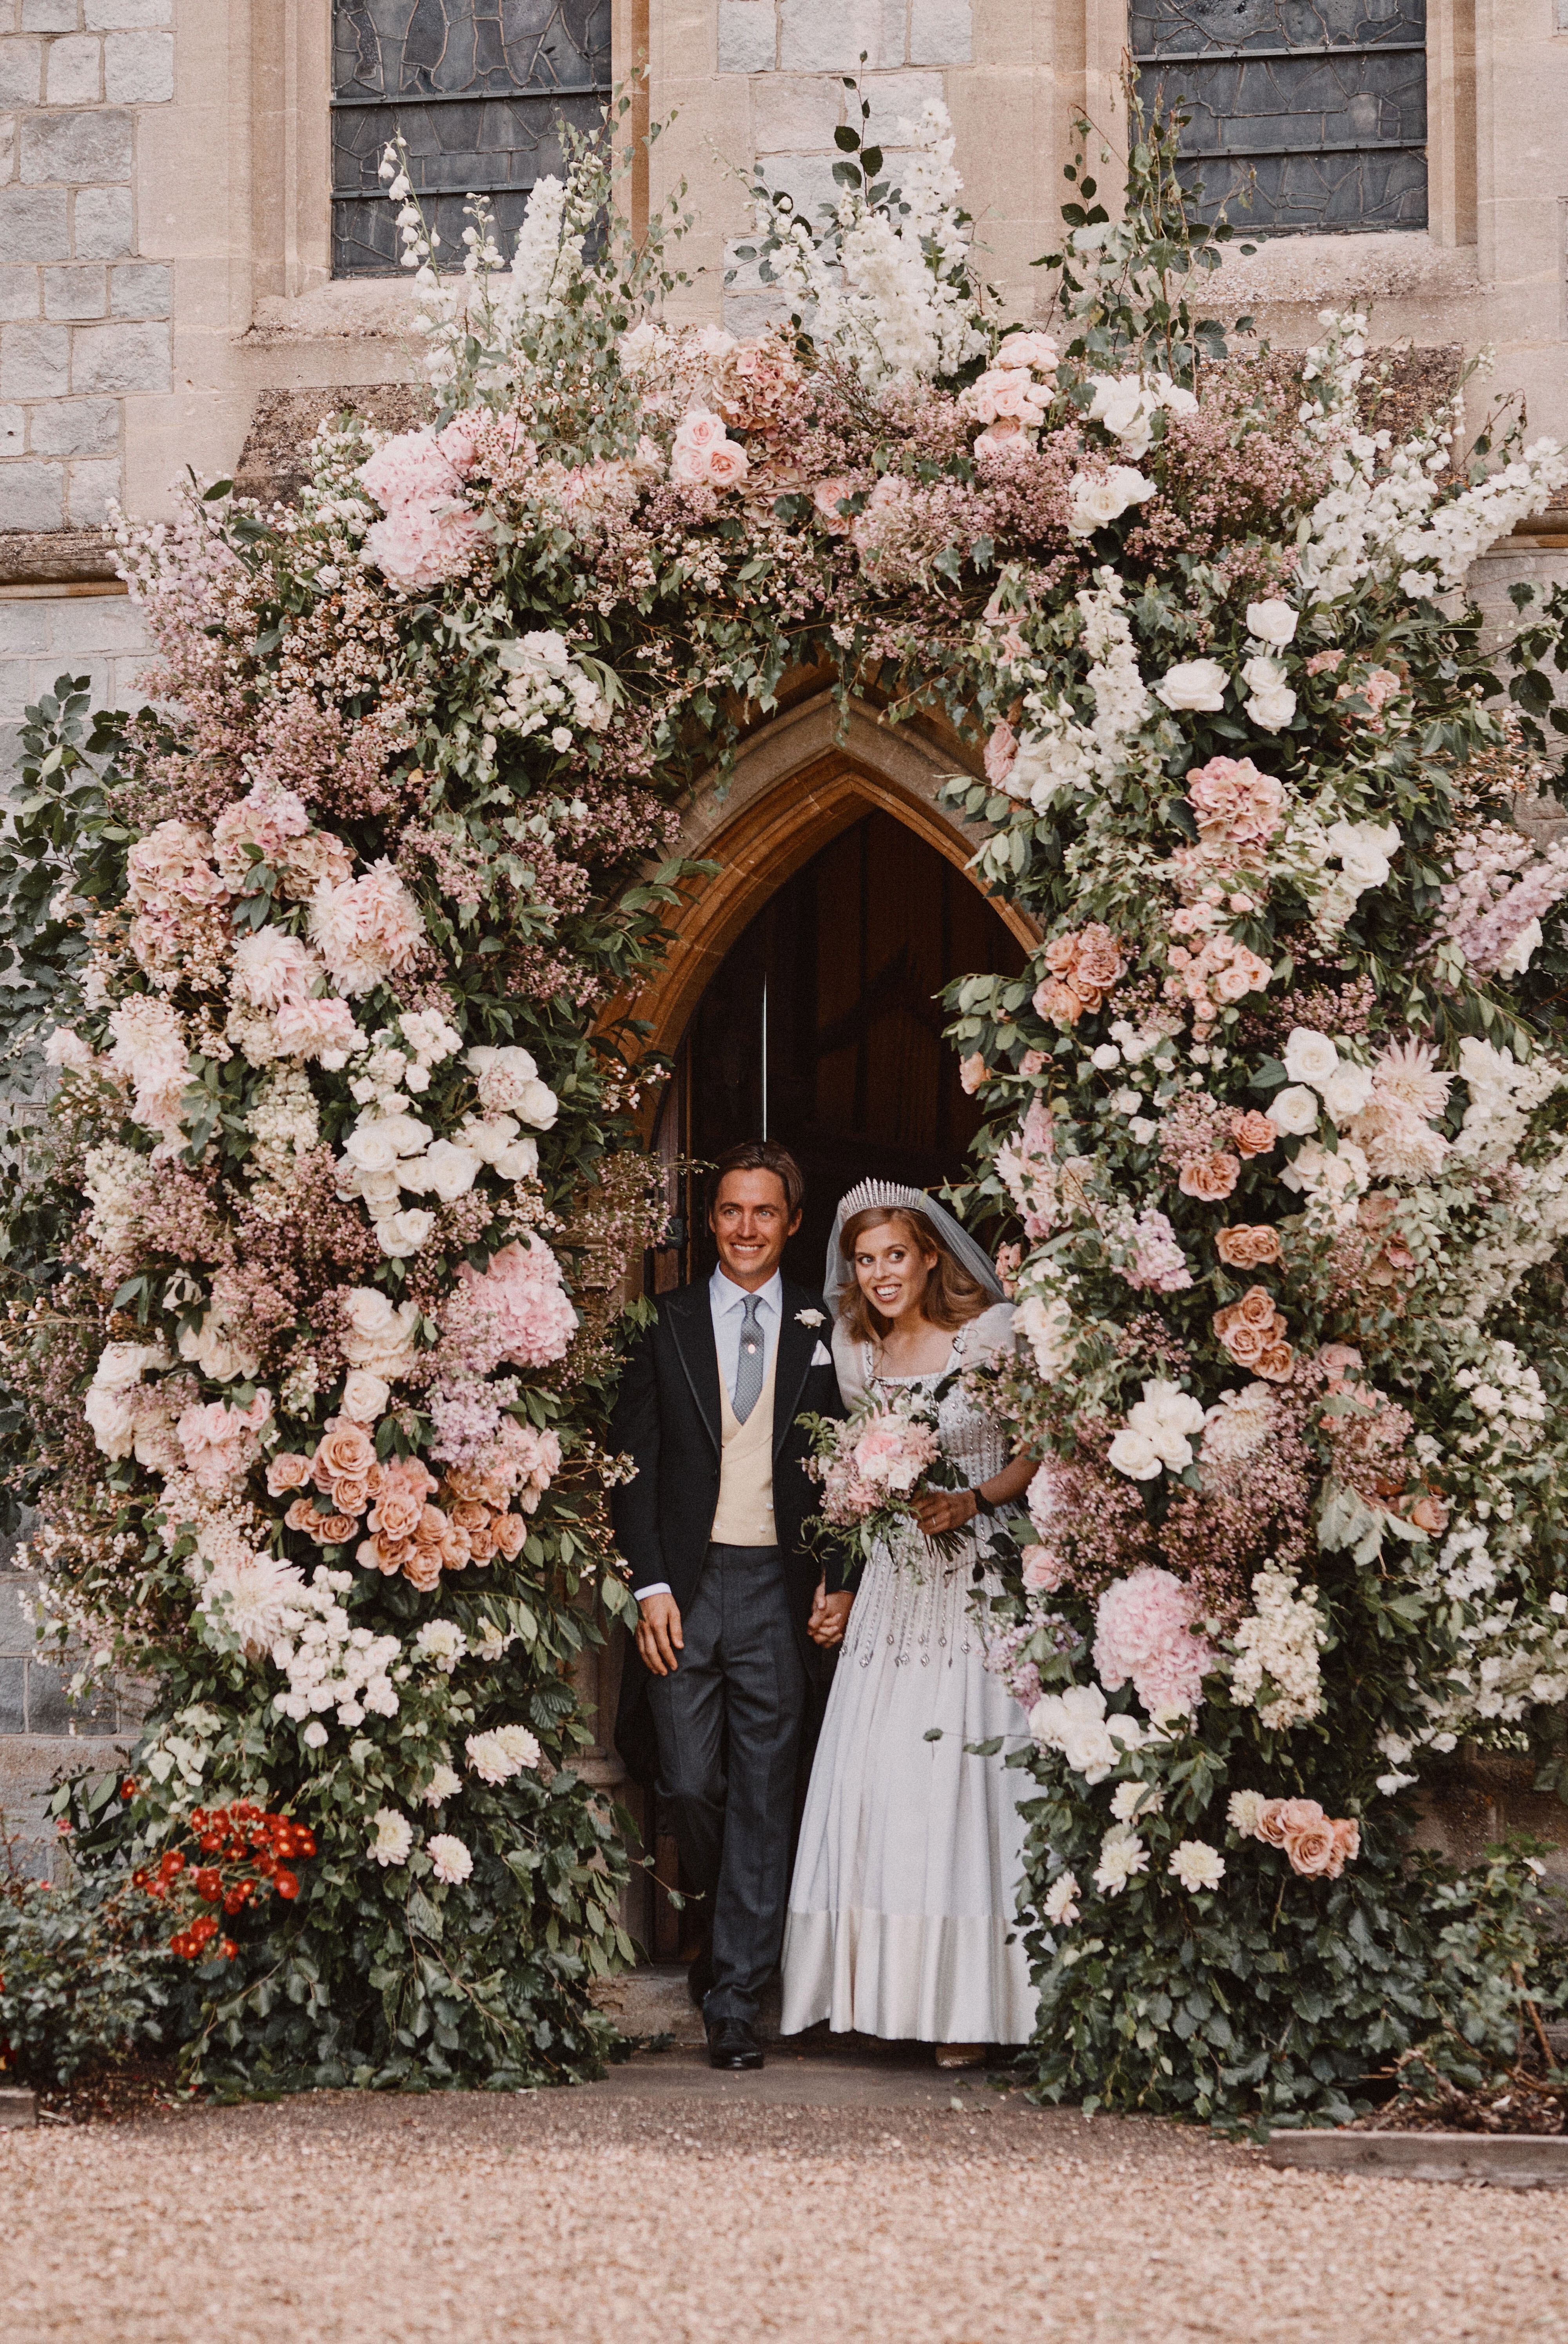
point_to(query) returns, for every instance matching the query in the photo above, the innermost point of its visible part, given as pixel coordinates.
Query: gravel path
(669, 2207)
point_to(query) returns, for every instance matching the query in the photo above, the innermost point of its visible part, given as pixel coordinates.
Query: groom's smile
(750, 1221)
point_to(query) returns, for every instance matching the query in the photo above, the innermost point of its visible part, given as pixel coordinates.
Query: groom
(728, 1596)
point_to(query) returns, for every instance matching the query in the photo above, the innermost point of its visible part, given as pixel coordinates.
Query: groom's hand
(658, 1635)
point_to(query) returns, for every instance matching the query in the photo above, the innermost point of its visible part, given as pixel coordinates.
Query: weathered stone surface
(48, 15)
(13, 427)
(748, 37)
(272, 461)
(74, 292)
(18, 294)
(655, 2000)
(120, 358)
(93, 488)
(138, 68)
(140, 290)
(75, 71)
(21, 72)
(1500, 2160)
(941, 32)
(105, 229)
(31, 495)
(113, 16)
(74, 557)
(34, 362)
(76, 427)
(17, 2107)
(828, 36)
(75, 147)
(33, 223)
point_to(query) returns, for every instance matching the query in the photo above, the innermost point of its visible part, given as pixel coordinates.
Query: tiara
(882, 1192)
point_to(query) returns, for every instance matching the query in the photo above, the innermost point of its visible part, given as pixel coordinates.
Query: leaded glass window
(478, 89)
(1316, 107)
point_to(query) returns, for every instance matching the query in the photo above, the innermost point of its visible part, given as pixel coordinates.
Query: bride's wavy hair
(954, 1295)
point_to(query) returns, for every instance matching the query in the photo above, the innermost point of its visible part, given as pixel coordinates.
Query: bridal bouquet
(873, 1465)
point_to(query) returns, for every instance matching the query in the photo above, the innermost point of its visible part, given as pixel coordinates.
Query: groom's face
(750, 1221)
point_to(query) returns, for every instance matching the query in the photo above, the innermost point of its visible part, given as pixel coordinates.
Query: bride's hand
(938, 1511)
(830, 1618)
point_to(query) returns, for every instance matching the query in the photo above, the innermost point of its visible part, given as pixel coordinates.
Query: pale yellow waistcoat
(745, 1515)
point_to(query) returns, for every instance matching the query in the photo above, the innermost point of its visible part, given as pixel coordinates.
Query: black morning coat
(668, 1416)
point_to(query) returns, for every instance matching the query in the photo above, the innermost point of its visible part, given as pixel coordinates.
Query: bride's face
(893, 1272)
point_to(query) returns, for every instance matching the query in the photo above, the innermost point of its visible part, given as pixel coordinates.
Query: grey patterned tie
(748, 1372)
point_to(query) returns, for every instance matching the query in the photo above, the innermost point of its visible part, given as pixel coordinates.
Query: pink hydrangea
(266, 818)
(310, 1027)
(419, 546)
(220, 1441)
(1233, 803)
(270, 967)
(1158, 1264)
(149, 1047)
(517, 1310)
(1143, 1631)
(168, 869)
(416, 467)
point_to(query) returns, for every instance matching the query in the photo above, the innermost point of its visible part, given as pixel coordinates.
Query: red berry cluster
(238, 1855)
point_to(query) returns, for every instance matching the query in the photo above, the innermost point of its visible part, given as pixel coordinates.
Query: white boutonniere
(809, 1318)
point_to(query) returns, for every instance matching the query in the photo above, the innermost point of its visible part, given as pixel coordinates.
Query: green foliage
(83, 1977)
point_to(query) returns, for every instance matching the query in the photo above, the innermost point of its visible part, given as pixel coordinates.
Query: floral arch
(312, 1331)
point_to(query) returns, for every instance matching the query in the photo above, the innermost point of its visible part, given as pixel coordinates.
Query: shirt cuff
(657, 1587)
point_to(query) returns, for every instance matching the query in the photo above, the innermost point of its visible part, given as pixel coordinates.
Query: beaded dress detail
(912, 1851)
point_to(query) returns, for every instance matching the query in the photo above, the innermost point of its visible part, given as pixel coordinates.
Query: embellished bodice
(972, 1438)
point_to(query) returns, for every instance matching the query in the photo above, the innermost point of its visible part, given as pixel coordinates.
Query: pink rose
(828, 496)
(1001, 752)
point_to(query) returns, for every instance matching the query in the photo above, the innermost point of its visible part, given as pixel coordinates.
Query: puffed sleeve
(992, 1341)
(848, 1362)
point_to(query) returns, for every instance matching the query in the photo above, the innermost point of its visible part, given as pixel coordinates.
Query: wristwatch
(982, 1503)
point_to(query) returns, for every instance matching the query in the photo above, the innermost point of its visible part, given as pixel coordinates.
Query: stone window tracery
(478, 89)
(1317, 107)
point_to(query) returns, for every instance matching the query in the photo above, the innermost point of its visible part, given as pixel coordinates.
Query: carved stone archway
(798, 782)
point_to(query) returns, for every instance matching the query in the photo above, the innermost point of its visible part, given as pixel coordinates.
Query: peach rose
(1253, 1133)
(422, 1571)
(383, 1554)
(828, 496)
(1210, 1177)
(510, 1532)
(395, 1515)
(1340, 1362)
(1058, 1002)
(482, 1540)
(1375, 1211)
(1283, 1816)
(1430, 1513)
(327, 1530)
(352, 1492)
(345, 1453)
(1247, 1246)
(1252, 1331)
(1100, 958)
(1312, 1849)
(287, 1470)
(1001, 751)
(1277, 1362)
(1347, 1845)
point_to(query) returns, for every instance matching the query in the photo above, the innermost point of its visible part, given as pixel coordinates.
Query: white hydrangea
(1280, 1640)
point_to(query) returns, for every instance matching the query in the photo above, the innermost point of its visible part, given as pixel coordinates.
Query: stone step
(1504, 2160)
(16, 2107)
(654, 2000)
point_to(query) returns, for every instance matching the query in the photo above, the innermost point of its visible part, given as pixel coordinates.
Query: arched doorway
(822, 1028)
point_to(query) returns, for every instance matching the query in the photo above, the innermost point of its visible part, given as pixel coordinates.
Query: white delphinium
(1196, 1865)
(392, 1836)
(1281, 1640)
(1123, 1855)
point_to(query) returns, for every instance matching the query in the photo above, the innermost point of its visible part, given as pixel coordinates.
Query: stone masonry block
(76, 70)
(896, 97)
(105, 228)
(50, 1710)
(793, 114)
(808, 178)
(12, 430)
(18, 293)
(13, 1695)
(18, 1630)
(139, 67)
(752, 313)
(120, 358)
(142, 290)
(93, 488)
(34, 362)
(76, 426)
(112, 15)
(7, 145)
(92, 147)
(74, 293)
(941, 32)
(23, 631)
(828, 36)
(21, 72)
(33, 224)
(31, 495)
(28, 1766)
(88, 626)
(49, 16)
(747, 36)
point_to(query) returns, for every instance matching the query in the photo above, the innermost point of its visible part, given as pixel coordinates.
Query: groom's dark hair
(758, 1156)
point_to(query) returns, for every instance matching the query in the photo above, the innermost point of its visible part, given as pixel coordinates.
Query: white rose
(1365, 849)
(1045, 1328)
(1273, 621)
(373, 1147)
(1273, 702)
(538, 1104)
(1341, 1175)
(365, 1396)
(1520, 952)
(489, 1139)
(314, 1735)
(407, 1133)
(449, 1170)
(1133, 1452)
(1347, 1090)
(1125, 408)
(1097, 500)
(1294, 1112)
(213, 1348)
(112, 1413)
(518, 1162)
(402, 1234)
(1309, 1058)
(1198, 684)
(1105, 1057)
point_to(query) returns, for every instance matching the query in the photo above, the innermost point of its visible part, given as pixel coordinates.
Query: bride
(900, 1920)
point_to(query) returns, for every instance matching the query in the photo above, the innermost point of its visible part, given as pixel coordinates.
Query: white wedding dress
(901, 1911)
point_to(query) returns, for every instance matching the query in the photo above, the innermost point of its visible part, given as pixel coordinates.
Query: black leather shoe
(699, 1977)
(732, 2043)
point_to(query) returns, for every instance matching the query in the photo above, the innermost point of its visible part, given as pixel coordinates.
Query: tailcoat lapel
(689, 1316)
(795, 1345)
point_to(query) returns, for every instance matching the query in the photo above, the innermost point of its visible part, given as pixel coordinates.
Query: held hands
(659, 1633)
(938, 1511)
(829, 1617)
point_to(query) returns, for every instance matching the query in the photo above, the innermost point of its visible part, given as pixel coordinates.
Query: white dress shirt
(728, 1301)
